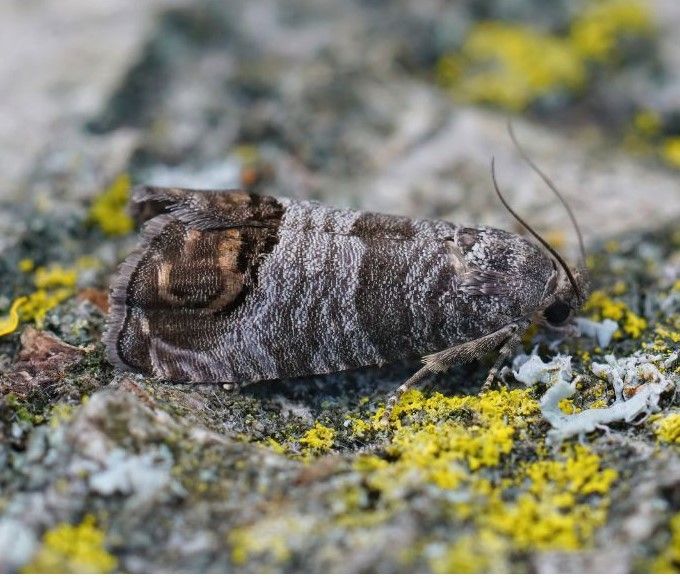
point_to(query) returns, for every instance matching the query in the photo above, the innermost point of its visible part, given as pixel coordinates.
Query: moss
(668, 429)
(109, 209)
(73, 549)
(21, 411)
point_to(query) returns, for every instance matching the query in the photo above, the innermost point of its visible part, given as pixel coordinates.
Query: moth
(233, 287)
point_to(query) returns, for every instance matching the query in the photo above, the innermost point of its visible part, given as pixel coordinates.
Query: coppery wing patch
(176, 292)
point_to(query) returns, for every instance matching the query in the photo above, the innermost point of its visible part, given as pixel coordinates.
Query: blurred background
(389, 105)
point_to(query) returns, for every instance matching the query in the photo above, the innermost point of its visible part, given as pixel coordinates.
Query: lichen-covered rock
(101, 471)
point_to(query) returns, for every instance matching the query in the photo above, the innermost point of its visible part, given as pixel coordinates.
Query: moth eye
(557, 313)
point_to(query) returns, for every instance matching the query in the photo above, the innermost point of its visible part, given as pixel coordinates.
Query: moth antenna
(530, 229)
(552, 187)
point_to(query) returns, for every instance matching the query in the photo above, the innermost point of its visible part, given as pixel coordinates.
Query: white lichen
(637, 382)
(600, 331)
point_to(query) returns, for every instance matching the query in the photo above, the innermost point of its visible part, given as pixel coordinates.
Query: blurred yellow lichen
(266, 538)
(510, 65)
(647, 123)
(598, 30)
(668, 561)
(668, 429)
(481, 552)
(73, 549)
(26, 265)
(567, 406)
(55, 276)
(60, 413)
(108, 210)
(10, 322)
(671, 151)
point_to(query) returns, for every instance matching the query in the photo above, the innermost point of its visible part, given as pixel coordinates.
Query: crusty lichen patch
(318, 439)
(601, 306)
(668, 428)
(70, 548)
(10, 322)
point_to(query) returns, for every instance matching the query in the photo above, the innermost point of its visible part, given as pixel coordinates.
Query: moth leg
(405, 387)
(504, 353)
(459, 354)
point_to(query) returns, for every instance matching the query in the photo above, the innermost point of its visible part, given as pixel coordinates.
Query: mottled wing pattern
(197, 262)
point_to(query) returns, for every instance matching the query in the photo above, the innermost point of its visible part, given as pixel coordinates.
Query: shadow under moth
(232, 287)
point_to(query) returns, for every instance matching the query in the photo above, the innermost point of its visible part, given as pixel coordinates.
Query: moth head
(564, 296)
(567, 288)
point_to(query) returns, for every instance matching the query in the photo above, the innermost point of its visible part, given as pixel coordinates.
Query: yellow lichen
(108, 210)
(60, 413)
(670, 151)
(601, 306)
(597, 31)
(360, 428)
(53, 284)
(510, 65)
(668, 429)
(55, 276)
(26, 265)
(668, 561)
(552, 513)
(428, 445)
(274, 445)
(10, 322)
(73, 549)
(451, 441)
(41, 301)
(480, 552)
(599, 404)
(266, 538)
(647, 123)
(318, 439)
